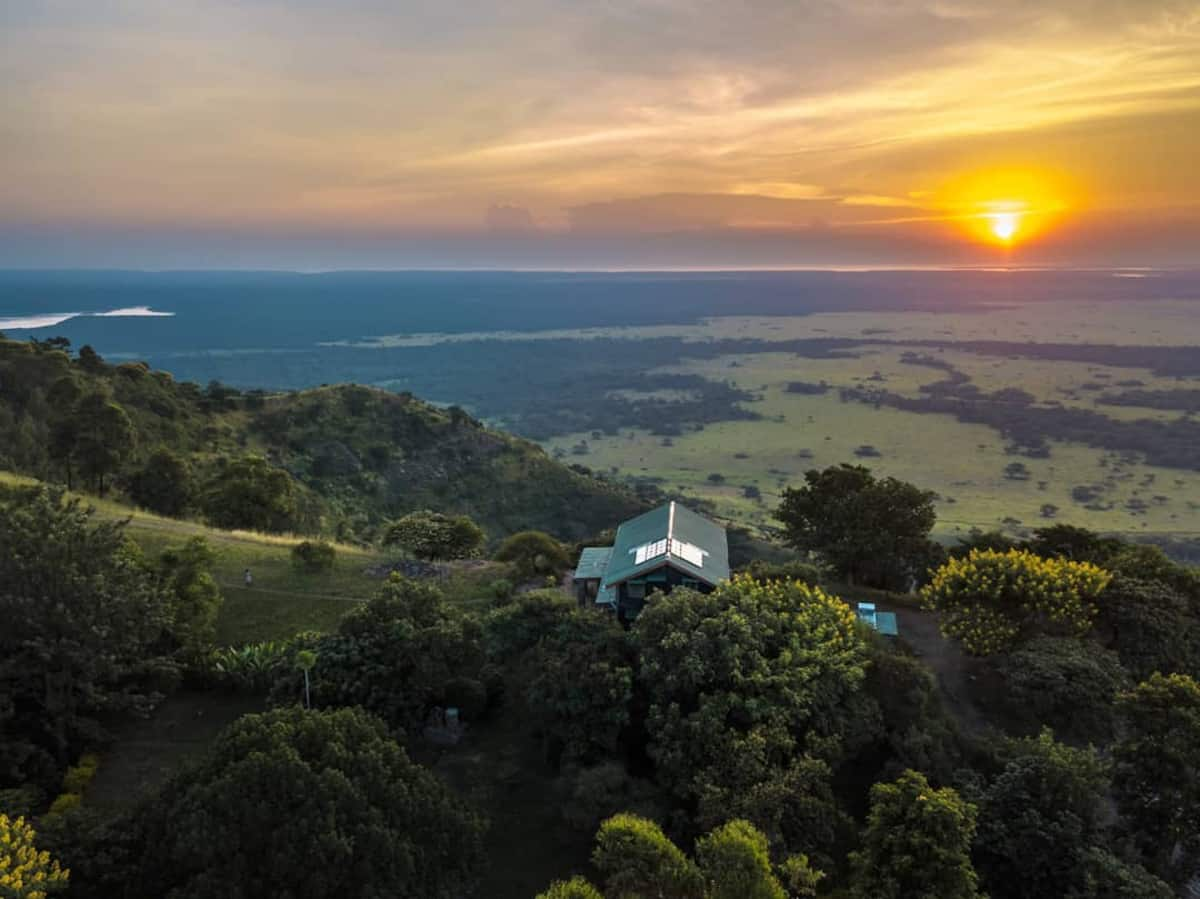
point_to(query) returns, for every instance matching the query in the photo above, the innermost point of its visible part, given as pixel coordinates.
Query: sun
(1004, 225)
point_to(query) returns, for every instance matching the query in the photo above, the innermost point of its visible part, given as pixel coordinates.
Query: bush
(1070, 684)
(64, 803)
(313, 556)
(534, 554)
(79, 777)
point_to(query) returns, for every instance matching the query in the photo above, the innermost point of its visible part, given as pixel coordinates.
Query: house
(667, 547)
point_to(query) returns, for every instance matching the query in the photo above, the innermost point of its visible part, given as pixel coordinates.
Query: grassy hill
(282, 600)
(356, 456)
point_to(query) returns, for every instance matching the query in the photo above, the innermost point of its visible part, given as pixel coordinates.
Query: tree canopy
(917, 843)
(307, 804)
(868, 530)
(990, 601)
(533, 554)
(85, 620)
(25, 871)
(432, 535)
(753, 690)
(251, 493)
(1157, 778)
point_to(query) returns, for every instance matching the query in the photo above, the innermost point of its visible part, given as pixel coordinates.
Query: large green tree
(186, 570)
(581, 685)
(869, 530)
(753, 691)
(917, 843)
(307, 805)
(396, 656)
(1157, 778)
(638, 861)
(251, 493)
(1038, 817)
(1064, 681)
(81, 620)
(163, 484)
(104, 437)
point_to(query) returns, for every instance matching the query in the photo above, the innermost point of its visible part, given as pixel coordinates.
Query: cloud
(651, 115)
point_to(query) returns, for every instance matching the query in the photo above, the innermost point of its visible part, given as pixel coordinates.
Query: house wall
(664, 578)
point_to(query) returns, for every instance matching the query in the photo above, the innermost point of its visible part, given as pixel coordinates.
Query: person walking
(248, 578)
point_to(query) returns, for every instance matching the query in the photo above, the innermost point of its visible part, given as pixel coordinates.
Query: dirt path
(953, 668)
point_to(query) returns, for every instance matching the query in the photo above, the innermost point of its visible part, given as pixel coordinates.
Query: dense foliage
(397, 656)
(753, 691)
(533, 554)
(25, 871)
(868, 530)
(87, 630)
(306, 804)
(636, 860)
(432, 535)
(354, 457)
(1157, 777)
(916, 844)
(990, 601)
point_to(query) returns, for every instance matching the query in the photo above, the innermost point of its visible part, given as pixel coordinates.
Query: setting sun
(1004, 225)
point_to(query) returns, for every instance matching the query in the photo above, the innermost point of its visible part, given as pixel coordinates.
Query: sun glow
(1007, 207)
(1005, 225)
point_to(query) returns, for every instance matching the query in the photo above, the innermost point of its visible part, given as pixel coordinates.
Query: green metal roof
(593, 562)
(669, 535)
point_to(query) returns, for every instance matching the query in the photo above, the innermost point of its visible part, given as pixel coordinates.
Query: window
(650, 551)
(689, 552)
(635, 590)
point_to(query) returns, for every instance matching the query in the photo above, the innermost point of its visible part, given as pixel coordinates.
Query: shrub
(79, 777)
(313, 556)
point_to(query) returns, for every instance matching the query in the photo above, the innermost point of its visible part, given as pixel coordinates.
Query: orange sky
(868, 130)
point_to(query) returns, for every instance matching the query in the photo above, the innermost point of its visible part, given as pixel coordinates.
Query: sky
(589, 134)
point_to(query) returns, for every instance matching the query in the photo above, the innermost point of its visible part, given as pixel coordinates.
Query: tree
(990, 601)
(313, 556)
(308, 805)
(1157, 778)
(251, 493)
(432, 535)
(1038, 817)
(1150, 625)
(1069, 682)
(736, 863)
(395, 656)
(575, 888)
(753, 691)
(868, 530)
(164, 484)
(185, 570)
(104, 436)
(917, 844)
(638, 860)
(82, 619)
(582, 685)
(533, 554)
(26, 873)
(1105, 876)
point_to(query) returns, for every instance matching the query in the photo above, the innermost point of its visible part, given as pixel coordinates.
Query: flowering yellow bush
(991, 600)
(25, 873)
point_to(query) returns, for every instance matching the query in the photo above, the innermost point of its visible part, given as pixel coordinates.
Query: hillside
(354, 456)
